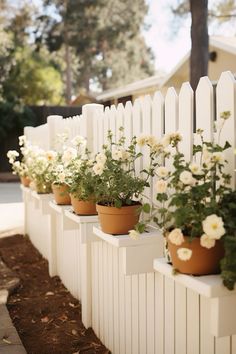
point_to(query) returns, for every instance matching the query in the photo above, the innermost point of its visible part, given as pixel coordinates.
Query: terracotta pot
(25, 181)
(61, 194)
(118, 221)
(83, 207)
(203, 260)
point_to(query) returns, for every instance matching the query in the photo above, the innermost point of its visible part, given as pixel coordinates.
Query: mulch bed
(46, 316)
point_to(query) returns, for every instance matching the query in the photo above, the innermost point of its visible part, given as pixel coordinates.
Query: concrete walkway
(11, 223)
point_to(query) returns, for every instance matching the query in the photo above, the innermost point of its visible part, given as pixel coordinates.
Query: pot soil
(61, 194)
(45, 314)
(118, 221)
(25, 181)
(203, 260)
(83, 207)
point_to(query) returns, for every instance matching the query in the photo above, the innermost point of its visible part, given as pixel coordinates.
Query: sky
(169, 38)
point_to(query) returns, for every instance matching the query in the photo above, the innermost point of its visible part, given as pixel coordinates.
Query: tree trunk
(68, 72)
(200, 41)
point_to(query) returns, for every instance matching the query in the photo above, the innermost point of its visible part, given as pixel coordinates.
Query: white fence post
(89, 114)
(52, 122)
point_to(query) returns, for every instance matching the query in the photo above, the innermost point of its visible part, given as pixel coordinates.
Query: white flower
(51, 155)
(184, 254)
(151, 140)
(165, 141)
(79, 140)
(176, 237)
(218, 157)
(176, 136)
(141, 140)
(17, 164)
(59, 168)
(12, 154)
(22, 140)
(125, 155)
(134, 234)
(162, 171)
(101, 158)
(213, 226)
(206, 241)
(161, 186)
(186, 177)
(98, 168)
(117, 154)
(206, 156)
(61, 177)
(196, 169)
(69, 154)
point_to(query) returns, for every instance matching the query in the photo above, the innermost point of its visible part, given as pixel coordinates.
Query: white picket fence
(132, 306)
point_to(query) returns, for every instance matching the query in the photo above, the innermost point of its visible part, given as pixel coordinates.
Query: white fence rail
(132, 307)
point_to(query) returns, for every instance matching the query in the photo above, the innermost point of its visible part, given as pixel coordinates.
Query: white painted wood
(135, 314)
(110, 298)
(159, 313)
(171, 111)
(101, 249)
(128, 126)
(193, 322)
(226, 101)
(158, 115)
(150, 308)
(128, 314)
(205, 108)
(222, 345)
(169, 321)
(116, 298)
(142, 314)
(206, 338)
(121, 303)
(180, 319)
(233, 344)
(119, 119)
(186, 119)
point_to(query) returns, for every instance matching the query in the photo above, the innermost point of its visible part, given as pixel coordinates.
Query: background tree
(99, 31)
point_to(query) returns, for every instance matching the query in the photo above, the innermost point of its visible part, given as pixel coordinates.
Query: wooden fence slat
(206, 338)
(171, 111)
(142, 314)
(128, 314)
(222, 345)
(180, 319)
(159, 313)
(150, 308)
(186, 119)
(121, 303)
(116, 288)
(135, 314)
(193, 322)
(169, 321)
(226, 101)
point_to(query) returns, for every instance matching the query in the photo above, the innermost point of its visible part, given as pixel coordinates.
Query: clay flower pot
(83, 207)
(61, 194)
(25, 181)
(118, 221)
(203, 260)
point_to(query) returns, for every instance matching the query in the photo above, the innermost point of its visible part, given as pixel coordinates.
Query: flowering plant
(20, 167)
(188, 194)
(118, 183)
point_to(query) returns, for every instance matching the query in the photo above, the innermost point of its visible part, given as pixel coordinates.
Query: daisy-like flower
(151, 140)
(176, 237)
(218, 157)
(196, 169)
(162, 171)
(62, 177)
(213, 226)
(141, 140)
(101, 158)
(184, 253)
(98, 168)
(207, 242)
(186, 177)
(117, 154)
(134, 234)
(79, 140)
(69, 154)
(22, 140)
(161, 186)
(51, 155)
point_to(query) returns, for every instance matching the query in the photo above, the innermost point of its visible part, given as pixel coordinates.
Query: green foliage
(14, 117)
(118, 184)
(227, 210)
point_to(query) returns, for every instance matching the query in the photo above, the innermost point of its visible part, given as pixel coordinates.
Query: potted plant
(119, 187)
(20, 167)
(188, 200)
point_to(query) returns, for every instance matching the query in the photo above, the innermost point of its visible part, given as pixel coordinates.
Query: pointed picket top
(146, 105)
(119, 118)
(171, 111)
(205, 107)
(137, 127)
(113, 112)
(186, 104)
(158, 114)
(106, 123)
(226, 101)
(128, 121)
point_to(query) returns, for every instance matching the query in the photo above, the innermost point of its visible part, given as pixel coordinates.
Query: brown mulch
(46, 316)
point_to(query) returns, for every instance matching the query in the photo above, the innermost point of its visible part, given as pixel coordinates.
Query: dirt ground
(46, 316)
